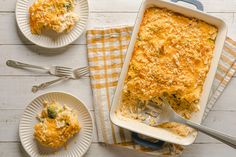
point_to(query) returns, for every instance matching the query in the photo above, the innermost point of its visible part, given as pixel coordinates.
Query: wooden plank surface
(15, 84)
(34, 55)
(197, 150)
(16, 91)
(133, 5)
(96, 20)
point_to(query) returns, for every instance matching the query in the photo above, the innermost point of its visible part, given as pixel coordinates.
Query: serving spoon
(167, 114)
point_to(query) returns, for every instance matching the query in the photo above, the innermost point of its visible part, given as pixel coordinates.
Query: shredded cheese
(57, 124)
(171, 58)
(56, 15)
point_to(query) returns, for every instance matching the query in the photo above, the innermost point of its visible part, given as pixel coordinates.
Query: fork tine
(80, 72)
(61, 67)
(86, 67)
(83, 74)
(63, 70)
(83, 70)
(63, 73)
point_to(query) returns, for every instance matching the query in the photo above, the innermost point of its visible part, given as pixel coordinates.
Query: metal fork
(53, 70)
(35, 88)
(81, 72)
(77, 74)
(165, 113)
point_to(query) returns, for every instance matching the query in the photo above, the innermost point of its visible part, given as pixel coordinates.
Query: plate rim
(66, 93)
(47, 46)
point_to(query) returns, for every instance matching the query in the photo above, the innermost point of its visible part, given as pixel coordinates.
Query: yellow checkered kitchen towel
(106, 53)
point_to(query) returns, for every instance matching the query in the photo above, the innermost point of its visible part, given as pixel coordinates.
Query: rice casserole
(171, 59)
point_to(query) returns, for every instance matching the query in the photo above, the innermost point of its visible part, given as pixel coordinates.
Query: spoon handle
(227, 139)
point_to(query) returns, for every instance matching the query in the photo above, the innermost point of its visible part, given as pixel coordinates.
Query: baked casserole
(171, 59)
(56, 125)
(57, 15)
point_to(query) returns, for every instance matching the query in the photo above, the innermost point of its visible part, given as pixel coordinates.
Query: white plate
(51, 39)
(76, 146)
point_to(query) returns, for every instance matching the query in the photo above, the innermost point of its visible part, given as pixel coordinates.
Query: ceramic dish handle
(145, 143)
(197, 3)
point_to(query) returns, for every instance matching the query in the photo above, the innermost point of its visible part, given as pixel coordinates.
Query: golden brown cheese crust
(56, 15)
(172, 56)
(55, 131)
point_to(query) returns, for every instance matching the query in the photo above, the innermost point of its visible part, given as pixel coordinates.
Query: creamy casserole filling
(171, 58)
(57, 124)
(57, 15)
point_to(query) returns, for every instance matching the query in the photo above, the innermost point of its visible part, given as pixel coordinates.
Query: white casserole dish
(159, 133)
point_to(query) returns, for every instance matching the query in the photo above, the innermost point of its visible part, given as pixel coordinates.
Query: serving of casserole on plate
(57, 15)
(173, 53)
(56, 124)
(52, 23)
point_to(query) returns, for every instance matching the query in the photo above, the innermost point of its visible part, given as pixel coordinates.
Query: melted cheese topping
(57, 124)
(171, 58)
(57, 15)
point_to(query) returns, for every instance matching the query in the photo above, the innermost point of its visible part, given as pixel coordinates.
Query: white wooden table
(15, 84)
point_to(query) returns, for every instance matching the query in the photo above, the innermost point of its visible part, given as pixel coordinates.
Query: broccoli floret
(68, 6)
(52, 112)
